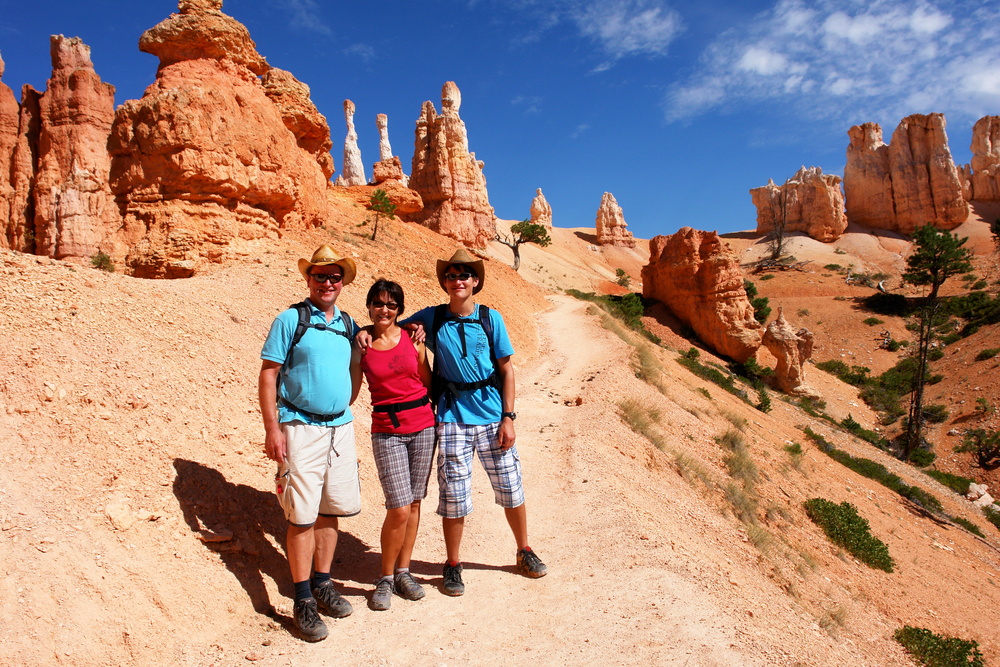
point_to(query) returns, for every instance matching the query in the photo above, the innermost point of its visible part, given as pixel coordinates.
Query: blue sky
(678, 109)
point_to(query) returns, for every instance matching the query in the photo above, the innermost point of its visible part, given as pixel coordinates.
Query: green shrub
(922, 458)
(767, 276)
(692, 353)
(888, 304)
(984, 446)
(935, 414)
(980, 285)
(794, 449)
(873, 321)
(853, 375)
(988, 353)
(992, 514)
(968, 525)
(102, 261)
(848, 529)
(936, 651)
(833, 267)
(956, 483)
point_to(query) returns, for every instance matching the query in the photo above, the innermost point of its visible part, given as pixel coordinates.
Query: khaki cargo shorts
(320, 473)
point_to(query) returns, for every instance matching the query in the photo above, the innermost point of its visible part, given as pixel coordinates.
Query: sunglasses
(459, 276)
(390, 305)
(332, 278)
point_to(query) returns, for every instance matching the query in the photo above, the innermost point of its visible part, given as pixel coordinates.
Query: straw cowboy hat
(325, 256)
(462, 256)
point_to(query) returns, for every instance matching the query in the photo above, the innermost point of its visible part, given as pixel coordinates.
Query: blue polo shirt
(318, 378)
(477, 406)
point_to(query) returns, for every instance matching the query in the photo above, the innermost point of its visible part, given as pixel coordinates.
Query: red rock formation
(21, 227)
(792, 349)
(810, 202)
(75, 212)
(448, 177)
(985, 168)
(388, 167)
(354, 169)
(925, 184)
(698, 277)
(206, 160)
(541, 211)
(300, 116)
(10, 112)
(611, 224)
(868, 179)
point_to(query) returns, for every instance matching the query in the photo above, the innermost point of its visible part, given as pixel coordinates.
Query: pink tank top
(393, 378)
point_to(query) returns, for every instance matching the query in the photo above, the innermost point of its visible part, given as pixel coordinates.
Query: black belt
(315, 416)
(393, 408)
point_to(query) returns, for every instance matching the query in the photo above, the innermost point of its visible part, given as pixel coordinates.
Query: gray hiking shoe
(329, 599)
(407, 586)
(453, 585)
(530, 564)
(382, 597)
(307, 620)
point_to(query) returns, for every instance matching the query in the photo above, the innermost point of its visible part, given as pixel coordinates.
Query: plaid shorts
(456, 442)
(404, 465)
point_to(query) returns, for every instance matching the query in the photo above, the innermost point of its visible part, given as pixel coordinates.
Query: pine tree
(521, 233)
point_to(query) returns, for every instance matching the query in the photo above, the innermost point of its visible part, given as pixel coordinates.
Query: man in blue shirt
(305, 391)
(475, 413)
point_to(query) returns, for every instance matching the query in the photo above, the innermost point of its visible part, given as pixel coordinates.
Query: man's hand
(417, 332)
(364, 339)
(274, 445)
(505, 434)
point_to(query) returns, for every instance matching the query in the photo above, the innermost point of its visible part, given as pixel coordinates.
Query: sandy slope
(128, 423)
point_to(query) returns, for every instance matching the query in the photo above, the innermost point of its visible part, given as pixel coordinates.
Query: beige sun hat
(326, 256)
(462, 256)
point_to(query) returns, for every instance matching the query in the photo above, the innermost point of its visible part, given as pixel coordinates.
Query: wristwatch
(512, 415)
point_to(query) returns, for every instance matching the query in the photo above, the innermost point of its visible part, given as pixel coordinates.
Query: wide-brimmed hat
(326, 256)
(462, 256)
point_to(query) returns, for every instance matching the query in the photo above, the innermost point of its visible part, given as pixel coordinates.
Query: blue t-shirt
(476, 406)
(318, 379)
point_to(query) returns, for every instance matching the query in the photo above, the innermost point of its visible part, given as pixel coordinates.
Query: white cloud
(579, 130)
(362, 51)
(307, 14)
(628, 27)
(842, 59)
(530, 104)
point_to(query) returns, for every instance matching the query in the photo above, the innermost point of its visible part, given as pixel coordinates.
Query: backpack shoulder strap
(304, 313)
(440, 312)
(348, 324)
(487, 324)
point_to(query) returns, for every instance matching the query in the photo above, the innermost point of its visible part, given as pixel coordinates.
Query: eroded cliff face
(984, 172)
(74, 211)
(792, 349)
(697, 276)
(10, 112)
(448, 177)
(809, 202)
(908, 183)
(212, 156)
(610, 223)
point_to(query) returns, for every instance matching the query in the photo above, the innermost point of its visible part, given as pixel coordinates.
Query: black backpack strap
(441, 386)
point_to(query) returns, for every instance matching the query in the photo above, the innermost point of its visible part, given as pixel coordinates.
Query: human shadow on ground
(210, 502)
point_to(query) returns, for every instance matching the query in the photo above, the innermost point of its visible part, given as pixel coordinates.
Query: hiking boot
(382, 597)
(453, 585)
(407, 586)
(530, 564)
(307, 620)
(329, 599)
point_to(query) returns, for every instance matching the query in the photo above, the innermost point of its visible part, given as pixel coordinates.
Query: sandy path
(601, 600)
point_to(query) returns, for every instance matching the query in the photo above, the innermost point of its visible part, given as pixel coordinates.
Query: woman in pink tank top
(399, 378)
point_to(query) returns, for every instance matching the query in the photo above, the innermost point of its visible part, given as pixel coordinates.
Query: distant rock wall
(698, 277)
(610, 223)
(448, 178)
(10, 112)
(810, 202)
(923, 185)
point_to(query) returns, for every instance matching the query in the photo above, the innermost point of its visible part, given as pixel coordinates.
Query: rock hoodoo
(810, 202)
(697, 276)
(354, 170)
(611, 223)
(868, 178)
(792, 349)
(388, 167)
(24, 165)
(923, 184)
(984, 170)
(541, 211)
(10, 112)
(448, 177)
(75, 212)
(207, 160)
